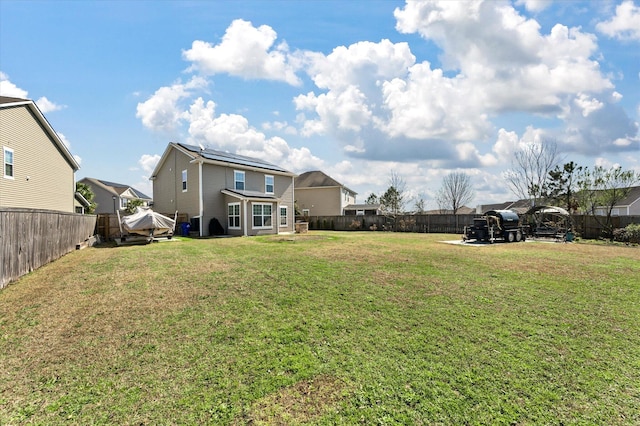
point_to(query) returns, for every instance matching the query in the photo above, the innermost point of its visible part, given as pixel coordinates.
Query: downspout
(200, 195)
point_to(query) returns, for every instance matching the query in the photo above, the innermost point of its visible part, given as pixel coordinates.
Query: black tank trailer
(495, 225)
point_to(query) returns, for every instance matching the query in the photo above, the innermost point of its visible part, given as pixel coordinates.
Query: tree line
(537, 174)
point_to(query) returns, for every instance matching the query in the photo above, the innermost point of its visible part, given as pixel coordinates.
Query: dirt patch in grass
(299, 403)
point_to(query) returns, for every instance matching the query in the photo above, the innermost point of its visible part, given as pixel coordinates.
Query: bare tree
(530, 168)
(456, 191)
(393, 199)
(420, 204)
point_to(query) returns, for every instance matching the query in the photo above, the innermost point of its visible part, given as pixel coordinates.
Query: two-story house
(319, 194)
(216, 189)
(111, 197)
(38, 171)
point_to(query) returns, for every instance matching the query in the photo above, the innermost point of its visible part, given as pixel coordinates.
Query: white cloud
(625, 25)
(45, 105)
(587, 105)
(507, 61)
(148, 163)
(7, 88)
(162, 112)
(535, 5)
(247, 52)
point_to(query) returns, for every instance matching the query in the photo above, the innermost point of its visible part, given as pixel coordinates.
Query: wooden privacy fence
(586, 226)
(31, 238)
(109, 229)
(429, 223)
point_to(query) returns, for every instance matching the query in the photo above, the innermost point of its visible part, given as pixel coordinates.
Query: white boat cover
(147, 222)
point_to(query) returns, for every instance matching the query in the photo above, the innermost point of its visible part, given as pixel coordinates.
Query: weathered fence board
(31, 238)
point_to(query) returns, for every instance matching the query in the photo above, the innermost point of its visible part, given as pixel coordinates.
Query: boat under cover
(148, 223)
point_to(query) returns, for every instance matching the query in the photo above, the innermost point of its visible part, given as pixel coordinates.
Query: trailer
(549, 222)
(495, 225)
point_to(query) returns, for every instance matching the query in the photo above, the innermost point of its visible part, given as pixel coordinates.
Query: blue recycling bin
(184, 228)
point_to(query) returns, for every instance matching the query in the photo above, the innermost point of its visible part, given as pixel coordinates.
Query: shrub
(355, 224)
(629, 234)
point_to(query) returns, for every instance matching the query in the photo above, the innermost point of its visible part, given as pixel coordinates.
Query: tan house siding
(43, 178)
(320, 201)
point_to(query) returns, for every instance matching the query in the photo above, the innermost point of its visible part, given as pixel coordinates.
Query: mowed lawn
(325, 328)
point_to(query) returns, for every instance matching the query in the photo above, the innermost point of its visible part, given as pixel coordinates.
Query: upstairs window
(268, 184)
(184, 181)
(238, 178)
(8, 162)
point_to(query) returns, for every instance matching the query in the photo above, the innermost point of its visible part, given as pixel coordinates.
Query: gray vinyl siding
(214, 181)
(167, 186)
(43, 178)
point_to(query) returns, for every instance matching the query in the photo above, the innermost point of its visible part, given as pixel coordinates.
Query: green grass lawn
(327, 328)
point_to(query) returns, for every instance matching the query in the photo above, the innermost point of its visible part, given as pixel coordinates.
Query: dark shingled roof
(317, 179)
(227, 157)
(114, 185)
(10, 100)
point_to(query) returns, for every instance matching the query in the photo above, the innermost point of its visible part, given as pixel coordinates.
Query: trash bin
(184, 228)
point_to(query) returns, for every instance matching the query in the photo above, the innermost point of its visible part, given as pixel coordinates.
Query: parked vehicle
(494, 225)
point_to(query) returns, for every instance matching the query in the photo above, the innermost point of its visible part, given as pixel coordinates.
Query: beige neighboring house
(111, 197)
(318, 194)
(364, 210)
(38, 171)
(223, 192)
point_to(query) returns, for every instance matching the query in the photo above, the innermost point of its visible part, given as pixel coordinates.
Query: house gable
(111, 196)
(42, 168)
(320, 195)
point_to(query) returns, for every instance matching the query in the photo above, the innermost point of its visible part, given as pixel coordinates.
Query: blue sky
(354, 88)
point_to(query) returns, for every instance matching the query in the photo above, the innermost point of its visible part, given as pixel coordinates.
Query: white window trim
(4, 163)
(253, 226)
(238, 216)
(124, 203)
(305, 212)
(273, 184)
(185, 185)
(286, 216)
(235, 182)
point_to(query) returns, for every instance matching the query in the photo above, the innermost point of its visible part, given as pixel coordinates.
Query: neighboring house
(461, 210)
(318, 194)
(38, 171)
(629, 206)
(363, 210)
(110, 196)
(242, 195)
(81, 204)
(520, 206)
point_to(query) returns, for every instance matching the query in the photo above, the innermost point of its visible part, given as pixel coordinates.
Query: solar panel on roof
(212, 154)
